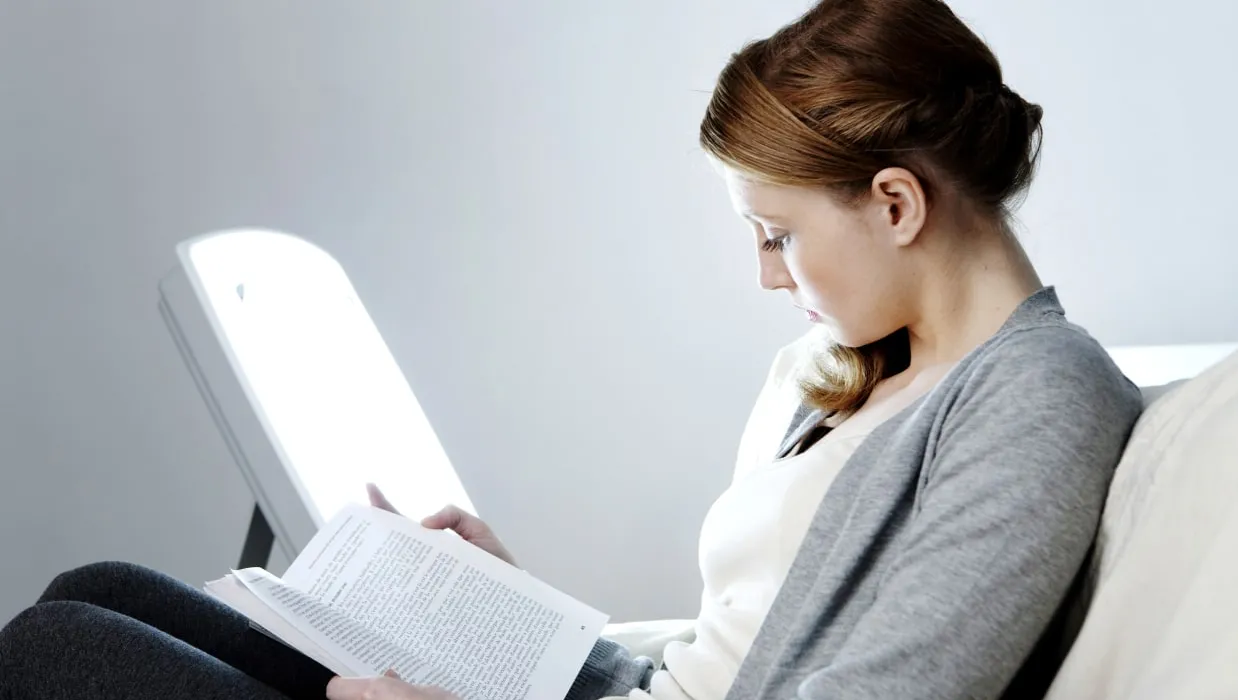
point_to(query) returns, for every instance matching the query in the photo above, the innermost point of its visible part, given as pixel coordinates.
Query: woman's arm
(1007, 515)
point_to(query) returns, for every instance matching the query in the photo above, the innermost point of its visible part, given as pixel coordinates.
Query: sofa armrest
(650, 637)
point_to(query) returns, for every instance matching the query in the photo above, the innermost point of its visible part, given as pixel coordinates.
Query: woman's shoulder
(1047, 358)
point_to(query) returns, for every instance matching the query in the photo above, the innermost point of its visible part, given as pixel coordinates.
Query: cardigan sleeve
(1009, 504)
(610, 670)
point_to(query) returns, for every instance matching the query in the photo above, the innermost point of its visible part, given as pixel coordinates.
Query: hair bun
(1014, 101)
(1016, 144)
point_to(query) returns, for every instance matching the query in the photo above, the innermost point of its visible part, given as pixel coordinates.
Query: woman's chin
(838, 335)
(841, 336)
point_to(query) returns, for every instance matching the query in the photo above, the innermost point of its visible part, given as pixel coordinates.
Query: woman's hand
(386, 687)
(467, 525)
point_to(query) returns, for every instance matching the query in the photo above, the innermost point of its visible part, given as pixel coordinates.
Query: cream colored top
(750, 536)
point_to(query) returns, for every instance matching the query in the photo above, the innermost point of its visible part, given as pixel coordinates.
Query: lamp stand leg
(258, 541)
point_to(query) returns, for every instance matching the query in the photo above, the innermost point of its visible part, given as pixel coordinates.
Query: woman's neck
(971, 294)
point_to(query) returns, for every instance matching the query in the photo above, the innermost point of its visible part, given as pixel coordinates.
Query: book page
(481, 627)
(231, 592)
(358, 651)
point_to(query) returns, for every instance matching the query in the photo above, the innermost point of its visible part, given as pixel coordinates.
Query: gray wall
(516, 193)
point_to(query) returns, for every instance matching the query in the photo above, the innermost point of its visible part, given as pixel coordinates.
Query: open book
(375, 591)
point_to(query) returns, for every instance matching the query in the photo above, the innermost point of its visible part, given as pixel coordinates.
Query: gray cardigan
(946, 545)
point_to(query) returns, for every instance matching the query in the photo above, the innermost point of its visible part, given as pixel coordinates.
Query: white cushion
(1163, 582)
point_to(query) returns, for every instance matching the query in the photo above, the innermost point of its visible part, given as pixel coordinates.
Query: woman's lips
(813, 316)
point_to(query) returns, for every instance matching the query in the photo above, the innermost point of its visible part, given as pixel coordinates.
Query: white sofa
(1158, 618)
(1160, 607)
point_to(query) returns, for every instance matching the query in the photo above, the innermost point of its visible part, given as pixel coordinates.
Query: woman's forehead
(754, 199)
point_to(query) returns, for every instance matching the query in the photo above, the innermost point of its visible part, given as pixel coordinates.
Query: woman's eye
(772, 245)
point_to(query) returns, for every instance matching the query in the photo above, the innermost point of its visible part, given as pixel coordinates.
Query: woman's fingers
(449, 518)
(468, 526)
(385, 687)
(471, 528)
(378, 500)
(340, 688)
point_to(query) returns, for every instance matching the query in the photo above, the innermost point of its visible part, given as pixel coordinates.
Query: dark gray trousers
(117, 631)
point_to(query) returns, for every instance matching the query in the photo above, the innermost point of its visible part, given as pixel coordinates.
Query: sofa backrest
(1161, 590)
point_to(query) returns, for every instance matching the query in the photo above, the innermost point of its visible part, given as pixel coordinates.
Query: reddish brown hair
(856, 86)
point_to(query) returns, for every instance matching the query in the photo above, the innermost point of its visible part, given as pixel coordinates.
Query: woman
(912, 502)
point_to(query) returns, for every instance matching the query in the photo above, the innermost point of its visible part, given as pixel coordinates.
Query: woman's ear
(900, 204)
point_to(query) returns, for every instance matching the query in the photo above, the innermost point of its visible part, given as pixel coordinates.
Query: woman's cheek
(813, 283)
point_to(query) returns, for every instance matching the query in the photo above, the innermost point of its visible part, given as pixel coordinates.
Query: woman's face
(841, 264)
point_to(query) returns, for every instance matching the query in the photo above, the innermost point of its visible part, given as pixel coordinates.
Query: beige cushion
(1163, 583)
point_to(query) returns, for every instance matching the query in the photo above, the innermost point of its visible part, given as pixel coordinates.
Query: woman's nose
(772, 272)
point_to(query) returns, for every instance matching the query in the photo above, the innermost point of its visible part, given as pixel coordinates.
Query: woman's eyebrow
(764, 217)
